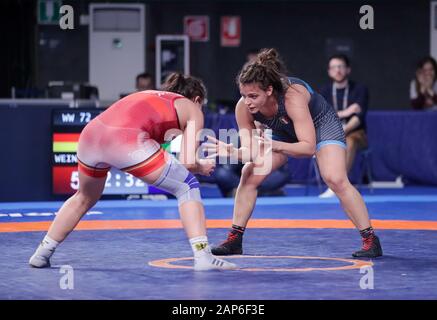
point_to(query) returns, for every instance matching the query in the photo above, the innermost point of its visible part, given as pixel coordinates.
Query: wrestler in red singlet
(128, 135)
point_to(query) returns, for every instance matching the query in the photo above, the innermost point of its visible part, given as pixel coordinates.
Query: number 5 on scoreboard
(74, 182)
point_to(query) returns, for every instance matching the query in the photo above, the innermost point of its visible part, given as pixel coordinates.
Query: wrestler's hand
(216, 148)
(205, 167)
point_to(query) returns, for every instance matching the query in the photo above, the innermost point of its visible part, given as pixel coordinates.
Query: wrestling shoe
(371, 248)
(232, 245)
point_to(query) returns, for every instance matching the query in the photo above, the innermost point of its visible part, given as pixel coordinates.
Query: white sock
(49, 244)
(204, 259)
(41, 257)
(200, 246)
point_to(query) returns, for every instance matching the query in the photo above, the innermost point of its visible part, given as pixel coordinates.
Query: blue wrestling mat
(296, 248)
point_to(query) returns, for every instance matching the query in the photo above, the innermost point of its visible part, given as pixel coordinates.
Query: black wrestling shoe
(232, 245)
(371, 248)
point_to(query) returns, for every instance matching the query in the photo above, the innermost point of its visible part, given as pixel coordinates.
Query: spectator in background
(144, 81)
(350, 100)
(227, 177)
(251, 55)
(423, 89)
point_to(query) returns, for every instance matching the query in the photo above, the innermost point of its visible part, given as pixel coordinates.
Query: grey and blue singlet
(328, 127)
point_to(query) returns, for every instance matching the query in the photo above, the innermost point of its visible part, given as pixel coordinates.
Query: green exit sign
(48, 11)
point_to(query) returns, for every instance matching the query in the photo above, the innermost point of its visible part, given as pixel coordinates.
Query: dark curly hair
(188, 86)
(266, 70)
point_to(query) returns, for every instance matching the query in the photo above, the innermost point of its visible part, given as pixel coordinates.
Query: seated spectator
(251, 54)
(423, 89)
(350, 100)
(227, 177)
(144, 81)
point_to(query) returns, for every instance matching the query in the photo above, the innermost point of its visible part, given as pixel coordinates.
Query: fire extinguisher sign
(230, 31)
(197, 28)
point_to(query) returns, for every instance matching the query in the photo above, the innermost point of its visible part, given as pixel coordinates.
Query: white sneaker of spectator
(327, 194)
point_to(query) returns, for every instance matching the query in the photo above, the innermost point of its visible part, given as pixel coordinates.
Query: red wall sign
(230, 31)
(197, 27)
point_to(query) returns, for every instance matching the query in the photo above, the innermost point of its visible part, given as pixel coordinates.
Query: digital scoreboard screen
(66, 127)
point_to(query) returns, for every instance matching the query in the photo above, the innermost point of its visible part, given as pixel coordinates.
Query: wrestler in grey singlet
(328, 127)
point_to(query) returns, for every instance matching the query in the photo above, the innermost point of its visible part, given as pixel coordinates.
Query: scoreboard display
(66, 127)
